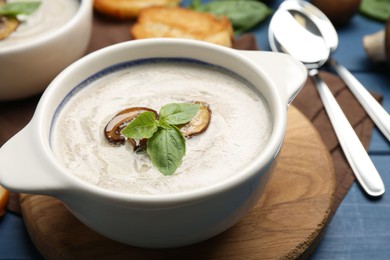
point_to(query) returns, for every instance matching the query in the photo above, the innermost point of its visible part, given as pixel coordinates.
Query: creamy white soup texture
(50, 15)
(240, 127)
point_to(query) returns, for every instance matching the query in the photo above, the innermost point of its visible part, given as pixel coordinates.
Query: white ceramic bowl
(27, 163)
(27, 69)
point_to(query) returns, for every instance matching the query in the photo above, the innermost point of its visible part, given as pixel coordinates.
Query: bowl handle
(288, 74)
(24, 166)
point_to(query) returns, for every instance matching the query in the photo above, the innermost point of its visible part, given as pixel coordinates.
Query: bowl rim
(137, 200)
(84, 8)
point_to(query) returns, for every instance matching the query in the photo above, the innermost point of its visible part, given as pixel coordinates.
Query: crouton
(177, 22)
(126, 9)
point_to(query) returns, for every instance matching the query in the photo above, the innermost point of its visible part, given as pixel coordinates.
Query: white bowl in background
(27, 68)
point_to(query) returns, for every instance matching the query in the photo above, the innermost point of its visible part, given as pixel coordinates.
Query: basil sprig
(166, 144)
(243, 14)
(17, 8)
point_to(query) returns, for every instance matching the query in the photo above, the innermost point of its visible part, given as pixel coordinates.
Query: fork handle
(373, 108)
(354, 151)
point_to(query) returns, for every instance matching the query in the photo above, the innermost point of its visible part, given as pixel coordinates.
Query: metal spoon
(287, 35)
(377, 113)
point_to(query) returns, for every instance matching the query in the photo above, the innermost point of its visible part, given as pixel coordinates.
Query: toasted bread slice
(177, 22)
(125, 9)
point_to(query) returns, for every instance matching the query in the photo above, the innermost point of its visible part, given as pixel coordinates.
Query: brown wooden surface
(286, 223)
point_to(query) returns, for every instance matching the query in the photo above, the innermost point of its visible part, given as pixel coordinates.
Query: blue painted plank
(378, 83)
(360, 228)
(15, 242)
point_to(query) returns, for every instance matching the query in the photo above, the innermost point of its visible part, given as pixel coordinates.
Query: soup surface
(50, 15)
(239, 129)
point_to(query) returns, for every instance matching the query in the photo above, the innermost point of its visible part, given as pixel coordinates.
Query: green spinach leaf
(243, 14)
(377, 9)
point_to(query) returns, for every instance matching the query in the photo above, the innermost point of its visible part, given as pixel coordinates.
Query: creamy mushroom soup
(50, 15)
(239, 129)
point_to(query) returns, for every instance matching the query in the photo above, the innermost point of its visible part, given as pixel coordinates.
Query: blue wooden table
(360, 228)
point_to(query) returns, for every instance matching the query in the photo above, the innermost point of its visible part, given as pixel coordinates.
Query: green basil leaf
(178, 113)
(143, 126)
(166, 149)
(16, 8)
(243, 14)
(377, 9)
(162, 124)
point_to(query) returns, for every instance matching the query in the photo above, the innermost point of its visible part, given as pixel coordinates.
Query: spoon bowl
(288, 33)
(316, 21)
(316, 52)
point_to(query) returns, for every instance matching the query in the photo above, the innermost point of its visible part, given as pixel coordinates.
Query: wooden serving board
(287, 222)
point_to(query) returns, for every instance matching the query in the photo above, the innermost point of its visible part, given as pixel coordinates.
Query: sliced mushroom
(7, 26)
(138, 145)
(199, 123)
(113, 129)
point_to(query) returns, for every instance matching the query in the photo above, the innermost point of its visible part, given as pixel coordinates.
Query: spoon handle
(373, 108)
(354, 151)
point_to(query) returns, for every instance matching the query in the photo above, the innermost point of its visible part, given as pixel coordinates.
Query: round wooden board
(286, 223)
